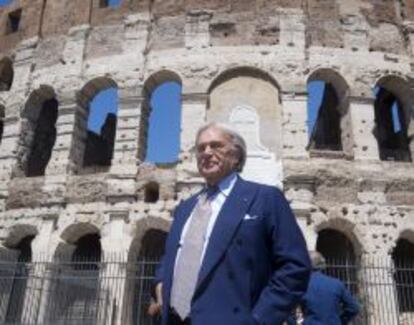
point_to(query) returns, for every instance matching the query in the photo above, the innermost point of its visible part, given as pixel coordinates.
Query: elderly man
(235, 254)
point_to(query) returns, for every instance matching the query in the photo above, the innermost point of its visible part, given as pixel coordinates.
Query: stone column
(74, 53)
(409, 29)
(121, 181)
(12, 128)
(116, 240)
(62, 161)
(294, 128)
(8, 155)
(193, 116)
(292, 28)
(197, 26)
(36, 294)
(64, 157)
(378, 292)
(127, 130)
(363, 124)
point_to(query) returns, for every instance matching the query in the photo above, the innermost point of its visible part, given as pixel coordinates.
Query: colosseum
(84, 216)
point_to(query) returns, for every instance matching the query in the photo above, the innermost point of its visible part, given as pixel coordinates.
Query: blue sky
(103, 103)
(164, 121)
(5, 2)
(315, 95)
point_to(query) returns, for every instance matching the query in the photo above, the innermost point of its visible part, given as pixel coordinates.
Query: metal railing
(117, 291)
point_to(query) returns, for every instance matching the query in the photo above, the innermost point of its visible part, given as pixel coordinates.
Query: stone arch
(154, 81)
(75, 231)
(141, 228)
(16, 233)
(77, 257)
(93, 152)
(403, 260)
(158, 78)
(407, 234)
(38, 132)
(37, 97)
(339, 250)
(70, 235)
(248, 99)
(16, 273)
(235, 72)
(332, 128)
(394, 113)
(6, 74)
(348, 229)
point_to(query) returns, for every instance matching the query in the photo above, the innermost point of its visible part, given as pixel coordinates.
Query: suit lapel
(229, 218)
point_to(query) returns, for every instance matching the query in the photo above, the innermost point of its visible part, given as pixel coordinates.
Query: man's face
(216, 156)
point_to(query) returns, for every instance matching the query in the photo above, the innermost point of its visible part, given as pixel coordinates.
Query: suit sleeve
(159, 271)
(290, 268)
(350, 307)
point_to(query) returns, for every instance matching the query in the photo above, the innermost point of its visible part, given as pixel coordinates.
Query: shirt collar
(226, 184)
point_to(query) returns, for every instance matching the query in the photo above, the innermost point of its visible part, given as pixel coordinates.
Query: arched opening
(161, 123)
(151, 250)
(152, 192)
(13, 21)
(15, 280)
(99, 102)
(44, 139)
(393, 100)
(248, 99)
(76, 295)
(340, 257)
(6, 74)
(38, 134)
(403, 258)
(328, 111)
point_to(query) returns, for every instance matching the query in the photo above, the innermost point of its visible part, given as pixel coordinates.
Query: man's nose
(207, 150)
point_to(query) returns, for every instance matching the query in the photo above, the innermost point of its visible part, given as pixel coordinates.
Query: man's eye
(200, 148)
(216, 145)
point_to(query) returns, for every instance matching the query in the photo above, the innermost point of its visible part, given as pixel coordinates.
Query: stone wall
(69, 50)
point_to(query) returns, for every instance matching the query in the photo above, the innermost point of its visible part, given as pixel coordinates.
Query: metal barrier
(116, 291)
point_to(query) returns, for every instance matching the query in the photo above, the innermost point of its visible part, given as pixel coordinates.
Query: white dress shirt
(217, 200)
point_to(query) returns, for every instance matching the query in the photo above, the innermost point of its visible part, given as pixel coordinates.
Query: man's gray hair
(318, 261)
(235, 138)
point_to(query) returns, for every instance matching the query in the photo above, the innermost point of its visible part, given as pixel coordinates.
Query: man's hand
(155, 307)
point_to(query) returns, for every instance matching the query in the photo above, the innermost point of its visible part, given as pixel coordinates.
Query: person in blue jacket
(249, 263)
(327, 301)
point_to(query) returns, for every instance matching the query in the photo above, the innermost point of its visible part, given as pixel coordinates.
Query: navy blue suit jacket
(255, 269)
(328, 301)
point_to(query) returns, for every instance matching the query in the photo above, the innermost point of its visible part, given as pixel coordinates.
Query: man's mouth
(209, 164)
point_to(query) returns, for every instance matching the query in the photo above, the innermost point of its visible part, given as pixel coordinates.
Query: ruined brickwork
(243, 62)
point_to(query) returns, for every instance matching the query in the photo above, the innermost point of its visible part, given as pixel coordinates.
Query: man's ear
(236, 157)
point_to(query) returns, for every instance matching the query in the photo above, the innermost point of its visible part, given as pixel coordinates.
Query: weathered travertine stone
(246, 63)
